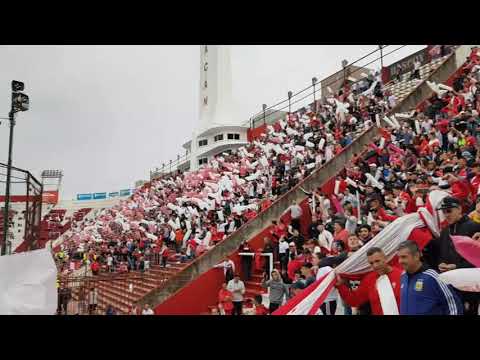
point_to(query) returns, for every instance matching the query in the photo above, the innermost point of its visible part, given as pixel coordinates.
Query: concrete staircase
(122, 291)
(405, 86)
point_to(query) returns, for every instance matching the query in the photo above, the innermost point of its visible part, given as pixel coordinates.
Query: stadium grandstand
(318, 205)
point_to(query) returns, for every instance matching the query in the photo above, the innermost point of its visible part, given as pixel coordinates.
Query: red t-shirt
(411, 206)
(471, 141)
(95, 266)
(266, 204)
(460, 190)
(250, 214)
(293, 266)
(442, 125)
(261, 310)
(225, 298)
(367, 291)
(278, 231)
(342, 236)
(383, 216)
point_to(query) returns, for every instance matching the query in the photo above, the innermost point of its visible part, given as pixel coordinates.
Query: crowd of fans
(185, 214)
(182, 215)
(432, 148)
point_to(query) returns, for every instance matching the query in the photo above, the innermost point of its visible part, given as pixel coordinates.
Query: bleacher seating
(195, 202)
(400, 89)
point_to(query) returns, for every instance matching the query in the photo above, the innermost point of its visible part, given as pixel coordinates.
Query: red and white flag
(404, 228)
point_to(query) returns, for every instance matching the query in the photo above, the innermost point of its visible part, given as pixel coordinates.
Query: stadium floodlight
(51, 174)
(17, 85)
(20, 102)
(380, 47)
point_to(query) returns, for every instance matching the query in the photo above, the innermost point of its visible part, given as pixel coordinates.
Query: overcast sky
(105, 115)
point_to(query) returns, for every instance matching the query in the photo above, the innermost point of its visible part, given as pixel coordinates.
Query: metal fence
(121, 291)
(93, 295)
(24, 188)
(171, 167)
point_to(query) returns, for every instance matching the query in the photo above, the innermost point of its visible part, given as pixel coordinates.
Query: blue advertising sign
(84, 197)
(113, 194)
(99, 196)
(125, 192)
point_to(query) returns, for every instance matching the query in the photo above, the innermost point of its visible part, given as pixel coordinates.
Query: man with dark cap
(375, 204)
(441, 253)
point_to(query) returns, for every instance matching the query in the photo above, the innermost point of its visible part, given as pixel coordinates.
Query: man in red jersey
(368, 289)
(374, 203)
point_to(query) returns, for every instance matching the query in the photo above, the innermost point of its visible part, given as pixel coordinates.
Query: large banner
(81, 197)
(50, 197)
(125, 192)
(28, 283)
(104, 195)
(100, 196)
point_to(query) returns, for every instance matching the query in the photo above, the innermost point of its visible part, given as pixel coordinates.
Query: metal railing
(347, 71)
(170, 167)
(116, 291)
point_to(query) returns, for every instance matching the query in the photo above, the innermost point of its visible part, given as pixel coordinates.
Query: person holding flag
(383, 275)
(422, 292)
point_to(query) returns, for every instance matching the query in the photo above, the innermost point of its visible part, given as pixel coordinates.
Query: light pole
(264, 107)
(20, 102)
(314, 82)
(344, 65)
(381, 55)
(289, 102)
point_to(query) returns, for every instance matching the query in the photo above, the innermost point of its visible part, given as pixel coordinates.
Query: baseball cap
(467, 155)
(398, 185)
(449, 202)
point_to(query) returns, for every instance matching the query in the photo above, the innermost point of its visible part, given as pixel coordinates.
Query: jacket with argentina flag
(423, 293)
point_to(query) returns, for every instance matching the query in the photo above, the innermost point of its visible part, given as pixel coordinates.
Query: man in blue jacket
(421, 291)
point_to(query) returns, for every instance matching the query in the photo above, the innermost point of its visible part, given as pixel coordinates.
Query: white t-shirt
(325, 239)
(282, 247)
(322, 272)
(392, 100)
(147, 312)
